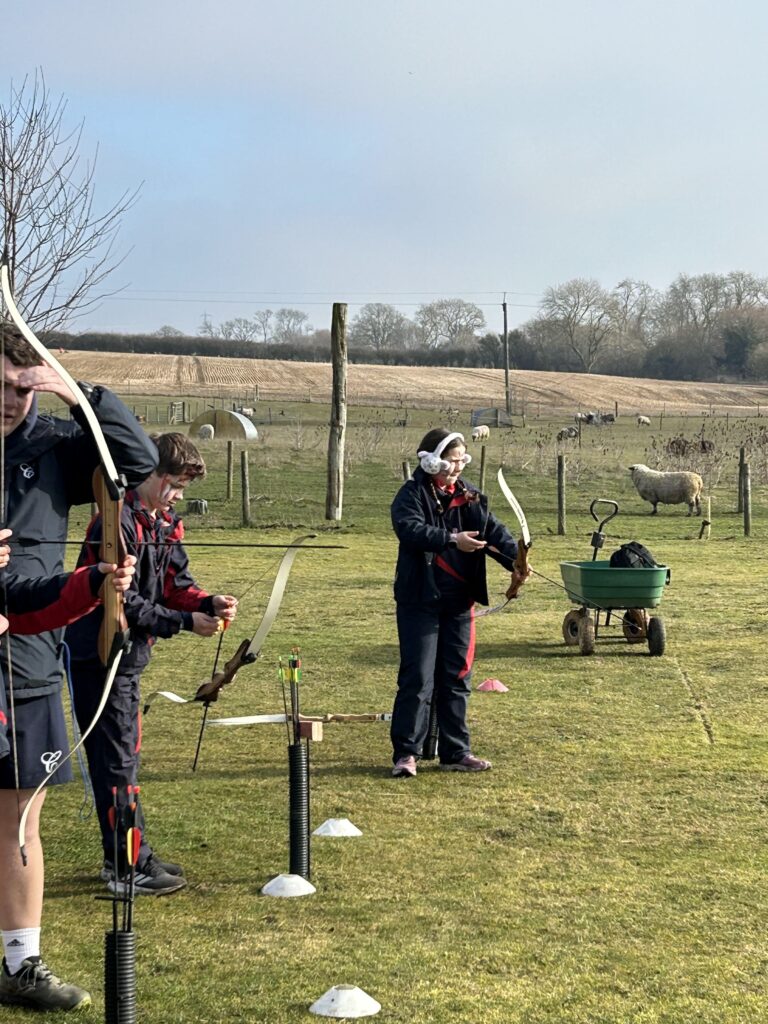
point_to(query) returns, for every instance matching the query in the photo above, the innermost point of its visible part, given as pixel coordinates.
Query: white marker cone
(337, 827)
(345, 1001)
(288, 885)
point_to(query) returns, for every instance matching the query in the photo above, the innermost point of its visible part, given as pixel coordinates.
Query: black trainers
(36, 985)
(108, 870)
(150, 880)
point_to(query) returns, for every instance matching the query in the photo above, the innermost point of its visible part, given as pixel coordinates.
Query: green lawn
(611, 866)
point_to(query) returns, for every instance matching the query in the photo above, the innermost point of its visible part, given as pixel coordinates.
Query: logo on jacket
(26, 471)
(50, 759)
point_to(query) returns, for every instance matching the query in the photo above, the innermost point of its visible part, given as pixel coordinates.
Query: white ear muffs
(432, 463)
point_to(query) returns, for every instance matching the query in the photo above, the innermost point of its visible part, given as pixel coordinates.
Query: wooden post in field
(706, 521)
(740, 498)
(616, 409)
(747, 491)
(246, 488)
(230, 468)
(334, 497)
(561, 495)
(406, 469)
(481, 484)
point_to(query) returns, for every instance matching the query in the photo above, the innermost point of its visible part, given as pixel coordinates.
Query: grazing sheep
(245, 410)
(607, 417)
(481, 433)
(206, 432)
(668, 488)
(643, 421)
(582, 417)
(567, 434)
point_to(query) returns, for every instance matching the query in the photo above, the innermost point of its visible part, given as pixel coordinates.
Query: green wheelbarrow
(602, 590)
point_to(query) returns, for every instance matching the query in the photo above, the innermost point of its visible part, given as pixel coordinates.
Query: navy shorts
(41, 743)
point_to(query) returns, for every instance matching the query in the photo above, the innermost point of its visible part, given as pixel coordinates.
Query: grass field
(609, 869)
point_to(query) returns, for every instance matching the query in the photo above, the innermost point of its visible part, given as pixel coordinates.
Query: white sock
(18, 945)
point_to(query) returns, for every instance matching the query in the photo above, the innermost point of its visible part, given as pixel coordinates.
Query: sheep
(567, 434)
(643, 421)
(481, 433)
(668, 488)
(607, 417)
(206, 432)
(581, 417)
(245, 410)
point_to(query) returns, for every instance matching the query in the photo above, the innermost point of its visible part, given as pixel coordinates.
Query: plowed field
(407, 386)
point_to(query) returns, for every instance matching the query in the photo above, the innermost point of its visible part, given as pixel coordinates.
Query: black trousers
(112, 749)
(437, 647)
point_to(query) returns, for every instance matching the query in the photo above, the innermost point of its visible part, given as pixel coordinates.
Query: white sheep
(481, 433)
(668, 488)
(206, 432)
(567, 434)
(643, 421)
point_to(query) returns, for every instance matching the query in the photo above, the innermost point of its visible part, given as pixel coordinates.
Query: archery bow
(521, 570)
(248, 651)
(110, 489)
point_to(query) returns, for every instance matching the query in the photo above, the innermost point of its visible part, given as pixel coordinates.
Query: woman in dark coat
(445, 531)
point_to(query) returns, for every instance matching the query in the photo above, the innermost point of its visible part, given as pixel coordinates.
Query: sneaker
(150, 880)
(468, 763)
(36, 985)
(108, 870)
(405, 767)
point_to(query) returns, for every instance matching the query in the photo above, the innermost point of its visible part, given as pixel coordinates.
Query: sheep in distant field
(481, 433)
(582, 417)
(567, 434)
(245, 410)
(643, 421)
(206, 432)
(668, 488)
(607, 417)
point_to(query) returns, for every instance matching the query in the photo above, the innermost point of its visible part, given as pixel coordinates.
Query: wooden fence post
(230, 469)
(406, 469)
(561, 495)
(740, 498)
(246, 488)
(334, 497)
(747, 490)
(481, 485)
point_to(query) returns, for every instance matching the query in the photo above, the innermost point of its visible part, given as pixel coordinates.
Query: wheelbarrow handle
(603, 501)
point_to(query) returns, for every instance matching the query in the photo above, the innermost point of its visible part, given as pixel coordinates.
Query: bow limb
(521, 570)
(108, 478)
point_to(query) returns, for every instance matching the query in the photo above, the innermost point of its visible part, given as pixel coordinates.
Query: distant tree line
(705, 327)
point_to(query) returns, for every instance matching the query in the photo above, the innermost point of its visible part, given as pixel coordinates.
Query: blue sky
(298, 153)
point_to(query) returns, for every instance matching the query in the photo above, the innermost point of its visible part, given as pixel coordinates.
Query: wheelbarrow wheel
(571, 628)
(635, 625)
(657, 635)
(586, 633)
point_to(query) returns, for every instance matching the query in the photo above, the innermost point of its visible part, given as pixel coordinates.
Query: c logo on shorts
(50, 759)
(26, 471)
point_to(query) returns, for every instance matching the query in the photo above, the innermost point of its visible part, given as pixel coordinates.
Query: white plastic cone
(337, 827)
(495, 685)
(288, 885)
(345, 1001)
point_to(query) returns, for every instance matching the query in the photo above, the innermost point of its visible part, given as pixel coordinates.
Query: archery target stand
(288, 885)
(345, 1001)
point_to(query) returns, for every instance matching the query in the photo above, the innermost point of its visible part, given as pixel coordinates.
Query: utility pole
(507, 396)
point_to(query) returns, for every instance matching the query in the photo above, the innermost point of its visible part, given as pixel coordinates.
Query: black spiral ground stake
(298, 779)
(430, 745)
(120, 942)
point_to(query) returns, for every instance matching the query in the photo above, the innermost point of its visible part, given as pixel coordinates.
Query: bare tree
(584, 314)
(380, 326)
(168, 331)
(59, 248)
(448, 322)
(262, 318)
(238, 329)
(290, 325)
